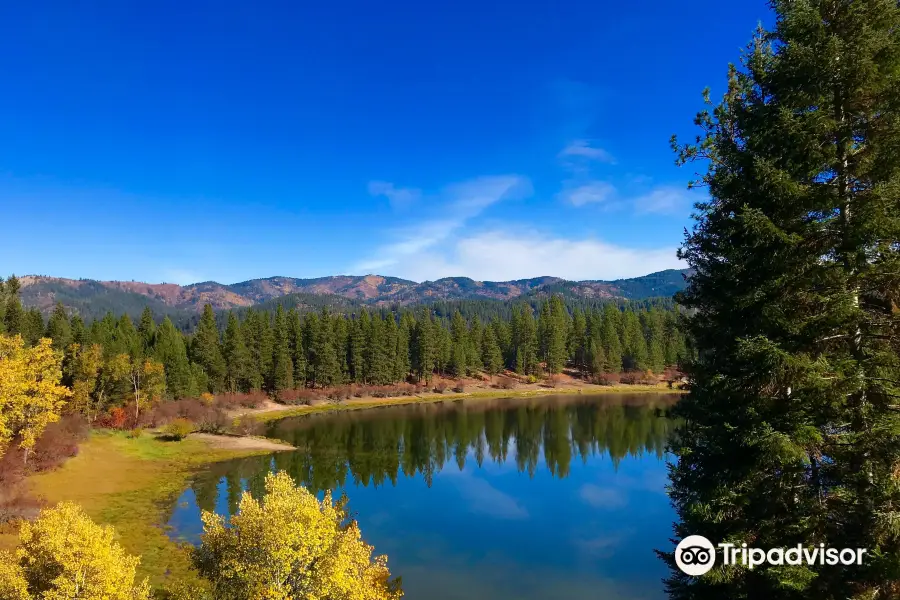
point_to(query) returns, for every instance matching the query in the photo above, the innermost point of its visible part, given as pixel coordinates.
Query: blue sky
(190, 141)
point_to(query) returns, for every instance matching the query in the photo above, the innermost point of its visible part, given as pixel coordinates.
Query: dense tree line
(282, 349)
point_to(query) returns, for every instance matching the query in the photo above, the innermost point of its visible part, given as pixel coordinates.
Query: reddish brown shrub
(116, 418)
(339, 393)
(298, 397)
(506, 383)
(58, 442)
(459, 387)
(253, 399)
(440, 387)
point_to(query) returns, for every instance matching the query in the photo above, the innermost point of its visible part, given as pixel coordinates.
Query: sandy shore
(240, 442)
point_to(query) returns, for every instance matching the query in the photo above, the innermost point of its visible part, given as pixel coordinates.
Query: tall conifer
(791, 425)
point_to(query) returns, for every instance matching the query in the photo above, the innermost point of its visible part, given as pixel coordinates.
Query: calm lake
(533, 498)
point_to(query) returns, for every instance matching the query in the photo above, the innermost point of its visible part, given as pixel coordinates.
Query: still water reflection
(552, 497)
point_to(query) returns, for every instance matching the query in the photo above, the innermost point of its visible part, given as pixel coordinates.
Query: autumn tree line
(278, 350)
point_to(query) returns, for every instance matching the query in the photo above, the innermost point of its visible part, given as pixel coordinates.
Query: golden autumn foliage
(64, 555)
(290, 546)
(31, 396)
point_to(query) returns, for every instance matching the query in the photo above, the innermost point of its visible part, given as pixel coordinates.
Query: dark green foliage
(206, 350)
(13, 313)
(609, 336)
(491, 356)
(171, 352)
(79, 333)
(459, 349)
(295, 344)
(524, 341)
(237, 358)
(32, 328)
(58, 328)
(147, 331)
(792, 432)
(282, 366)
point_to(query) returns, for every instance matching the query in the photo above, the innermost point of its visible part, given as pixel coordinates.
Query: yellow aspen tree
(147, 378)
(31, 396)
(290, 546)
(64, 555)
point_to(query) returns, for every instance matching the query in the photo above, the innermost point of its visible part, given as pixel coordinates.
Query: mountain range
(92, 298)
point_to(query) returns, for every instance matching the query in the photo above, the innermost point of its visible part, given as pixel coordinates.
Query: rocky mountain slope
(92, 298)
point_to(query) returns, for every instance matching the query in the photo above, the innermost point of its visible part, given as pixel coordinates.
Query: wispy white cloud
(505, 254)
(667, 199)
(398, 197)
(584, 149)
(484, 498)
(591, 192)
(458, 204)
(600, 497)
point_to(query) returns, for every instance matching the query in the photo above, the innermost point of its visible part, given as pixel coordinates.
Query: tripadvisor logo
(695, 555)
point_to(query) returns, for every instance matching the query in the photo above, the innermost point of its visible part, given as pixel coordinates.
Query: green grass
(132, 485)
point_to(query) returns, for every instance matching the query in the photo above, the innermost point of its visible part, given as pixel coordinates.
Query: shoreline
(133, 484)
(274, 411)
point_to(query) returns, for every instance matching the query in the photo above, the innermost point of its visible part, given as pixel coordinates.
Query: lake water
(538, 498)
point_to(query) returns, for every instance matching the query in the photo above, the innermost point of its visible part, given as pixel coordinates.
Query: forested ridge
(114, 358)
(92, 299)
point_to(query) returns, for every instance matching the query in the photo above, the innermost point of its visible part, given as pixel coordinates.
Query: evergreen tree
(557, 334)
(635, 355)
(147, 331)
(491, 357)
(2, 306)
(473, 348)
(206, 350)
(791, 427)
(258, 336)
(655, 330)
(356, 347)
(578, 337)
(523, 342)
(324, 361)
(79, 333)
(503, 333)
(340, 335)
(32, 328)
(390, 341)
(172, 353)
(378, 368)
(402, 365)
(125, 338)
(59, 329)
(14, 314)
(612, 347)
(236, 357)
(298, 352)
(282, 377)
(424, 348)
(459, 340)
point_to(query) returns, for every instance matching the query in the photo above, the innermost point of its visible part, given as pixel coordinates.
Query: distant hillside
(94, 298)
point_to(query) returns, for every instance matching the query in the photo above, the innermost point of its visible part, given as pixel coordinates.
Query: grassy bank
(273, 413)
(131, 484)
